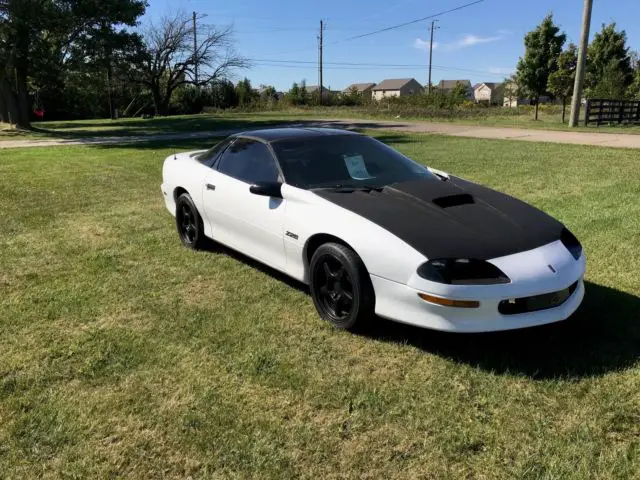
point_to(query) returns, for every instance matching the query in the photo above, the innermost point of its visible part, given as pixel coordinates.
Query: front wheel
(189, 223)
(341, 287)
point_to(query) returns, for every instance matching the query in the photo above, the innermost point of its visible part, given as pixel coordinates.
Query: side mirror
(267, 189)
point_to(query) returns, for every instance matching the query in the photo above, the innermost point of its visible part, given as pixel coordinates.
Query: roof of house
(393, 83)
(491, 85)
(451, 84)
(359, 87)
(315, 88)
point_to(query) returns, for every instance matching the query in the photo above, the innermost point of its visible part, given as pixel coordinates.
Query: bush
(186, 100)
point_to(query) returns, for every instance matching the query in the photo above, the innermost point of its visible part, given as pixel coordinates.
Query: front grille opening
(454, 200)
(537, 302)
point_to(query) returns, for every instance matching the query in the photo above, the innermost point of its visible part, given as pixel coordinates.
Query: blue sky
(479, 43)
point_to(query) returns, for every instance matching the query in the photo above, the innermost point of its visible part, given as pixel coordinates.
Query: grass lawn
(138, 126)
(124, 354)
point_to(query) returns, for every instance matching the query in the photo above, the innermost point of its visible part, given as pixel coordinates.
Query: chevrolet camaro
(373, 232)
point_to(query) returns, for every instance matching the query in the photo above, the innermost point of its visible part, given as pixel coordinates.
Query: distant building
(396, 87)
(313, 90)
(449, 85)
(488, 92)
(364, 89)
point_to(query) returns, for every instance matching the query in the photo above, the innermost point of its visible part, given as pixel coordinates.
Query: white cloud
(421, 44)
(468, 40)
(471, 40)
(501, 70)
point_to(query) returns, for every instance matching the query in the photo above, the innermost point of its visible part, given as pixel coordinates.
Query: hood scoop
(454, 200)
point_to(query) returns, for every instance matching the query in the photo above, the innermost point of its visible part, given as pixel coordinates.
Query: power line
(400, 25)
(371, 67)
(363, 64)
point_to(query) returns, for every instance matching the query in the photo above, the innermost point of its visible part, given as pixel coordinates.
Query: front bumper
(402, 304)
(530, 276)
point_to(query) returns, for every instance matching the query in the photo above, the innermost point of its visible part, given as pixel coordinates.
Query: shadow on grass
(602, 336)
(217, 248)
(172, 127)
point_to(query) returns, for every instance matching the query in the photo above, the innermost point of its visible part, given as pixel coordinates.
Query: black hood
(452, 219)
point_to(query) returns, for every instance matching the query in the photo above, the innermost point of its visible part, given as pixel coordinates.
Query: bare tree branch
(170, 60)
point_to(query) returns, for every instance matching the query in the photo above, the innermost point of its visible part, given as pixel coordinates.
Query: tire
(340, 287)
(189, 223)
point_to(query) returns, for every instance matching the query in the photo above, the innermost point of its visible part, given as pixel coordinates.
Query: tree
(561, 81)
(169, 60)
(542, 48)
(245, 92)
(268, 95)
(303, 97)
(223, 94)
(611, 83)
(609, 68)
(511, 90)
(458, 94)
(39, 37)
(294, 94)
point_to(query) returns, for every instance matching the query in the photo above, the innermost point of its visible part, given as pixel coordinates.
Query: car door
(252, 224)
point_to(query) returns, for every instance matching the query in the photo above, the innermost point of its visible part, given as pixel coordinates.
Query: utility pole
(320, 59)
(582, 58)
(195, 48)
(433, 27)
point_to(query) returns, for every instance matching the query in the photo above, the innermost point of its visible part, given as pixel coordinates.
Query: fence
(601, 111)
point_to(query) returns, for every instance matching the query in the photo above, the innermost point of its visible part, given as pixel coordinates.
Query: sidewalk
(618, 140)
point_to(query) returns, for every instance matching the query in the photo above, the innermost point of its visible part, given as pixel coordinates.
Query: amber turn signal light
(447, 302)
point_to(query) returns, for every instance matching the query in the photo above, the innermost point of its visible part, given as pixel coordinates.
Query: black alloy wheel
(341, 287)
(189, 222)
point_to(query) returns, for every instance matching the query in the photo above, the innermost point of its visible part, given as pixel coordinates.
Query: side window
(209, 157)
(248, 161)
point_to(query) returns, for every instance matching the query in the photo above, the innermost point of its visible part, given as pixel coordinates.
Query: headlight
(462, 271)
(571, 242)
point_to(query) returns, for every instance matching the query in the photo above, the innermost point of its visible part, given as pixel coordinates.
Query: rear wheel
(189, 223)
(341, 287)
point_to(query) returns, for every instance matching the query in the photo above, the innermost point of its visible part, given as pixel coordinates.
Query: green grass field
(124, 354)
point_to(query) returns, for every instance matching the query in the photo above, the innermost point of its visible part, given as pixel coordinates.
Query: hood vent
(454, 200)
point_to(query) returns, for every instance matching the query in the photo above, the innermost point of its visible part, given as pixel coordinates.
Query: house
(488, 92)
(364, 89)
(448, 86)
(513, 99)
(313, 90)
(510, 95)
(396, 87)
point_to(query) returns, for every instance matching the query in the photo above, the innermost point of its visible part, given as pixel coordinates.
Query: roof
(360, 87)
(393, 83)
(315, 88)
(451, 84)
(274, 134)
(491, 85)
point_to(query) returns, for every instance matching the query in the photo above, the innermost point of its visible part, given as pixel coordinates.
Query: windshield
(344, 161)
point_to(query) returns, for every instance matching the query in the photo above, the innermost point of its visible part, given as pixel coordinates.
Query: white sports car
(373, 232)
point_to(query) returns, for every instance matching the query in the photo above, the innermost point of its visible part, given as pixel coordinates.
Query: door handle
(210, 187)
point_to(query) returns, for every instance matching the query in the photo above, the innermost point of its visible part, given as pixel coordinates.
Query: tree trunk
(157, 101)
(10, 111)
(23, 104)
(564, 107)
(4, 112)
(537, 104)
